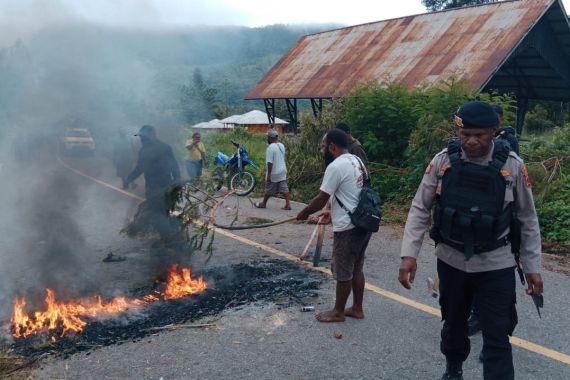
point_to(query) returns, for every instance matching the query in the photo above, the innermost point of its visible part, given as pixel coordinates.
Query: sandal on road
(286, 208)
(258, 205)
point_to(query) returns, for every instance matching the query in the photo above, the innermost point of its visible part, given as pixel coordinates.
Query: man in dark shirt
(156, 161)
(506, 132)
(354, 146)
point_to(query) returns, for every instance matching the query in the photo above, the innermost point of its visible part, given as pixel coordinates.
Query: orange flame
(70, 316)
(180, 285)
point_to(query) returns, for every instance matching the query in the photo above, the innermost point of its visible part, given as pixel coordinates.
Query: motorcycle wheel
(243, 183)
(218, 178)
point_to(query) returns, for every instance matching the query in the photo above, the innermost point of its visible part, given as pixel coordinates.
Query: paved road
(262, 341)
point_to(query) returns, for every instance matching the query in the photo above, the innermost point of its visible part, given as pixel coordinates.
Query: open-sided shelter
(519, 46)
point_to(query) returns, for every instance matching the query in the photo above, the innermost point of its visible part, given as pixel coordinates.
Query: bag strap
(364, 170)
(366, 182)
(342, 205)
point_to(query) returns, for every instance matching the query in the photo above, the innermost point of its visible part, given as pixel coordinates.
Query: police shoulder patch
(524, 172)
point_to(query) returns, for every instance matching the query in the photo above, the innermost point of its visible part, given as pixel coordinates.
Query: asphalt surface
(265, 341)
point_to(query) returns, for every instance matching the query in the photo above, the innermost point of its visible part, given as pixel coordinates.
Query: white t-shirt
(343, 179)
(276, 155)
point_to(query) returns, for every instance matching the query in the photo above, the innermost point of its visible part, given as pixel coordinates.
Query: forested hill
(108, 77)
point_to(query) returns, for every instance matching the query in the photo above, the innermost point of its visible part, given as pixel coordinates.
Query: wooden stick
(318, 249)
(306, 250)
(218, 204)
(202, 191)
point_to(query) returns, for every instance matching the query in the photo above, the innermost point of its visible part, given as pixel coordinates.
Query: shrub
(537, 121)
(554, 212)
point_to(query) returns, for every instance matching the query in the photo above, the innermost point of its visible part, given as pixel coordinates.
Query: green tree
(197, 100)
(437, 5)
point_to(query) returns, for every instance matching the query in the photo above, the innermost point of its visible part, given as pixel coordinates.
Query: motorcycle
(233, 171)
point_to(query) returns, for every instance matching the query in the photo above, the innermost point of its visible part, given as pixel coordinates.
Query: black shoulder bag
(367, 214)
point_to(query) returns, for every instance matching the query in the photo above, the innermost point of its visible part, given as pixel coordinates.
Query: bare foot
(352, 313)
(329, 316)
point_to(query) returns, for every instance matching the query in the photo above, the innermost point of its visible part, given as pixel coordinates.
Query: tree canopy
(437, 5)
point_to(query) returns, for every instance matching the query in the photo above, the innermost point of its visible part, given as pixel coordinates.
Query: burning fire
(180, 285)
(71, 315)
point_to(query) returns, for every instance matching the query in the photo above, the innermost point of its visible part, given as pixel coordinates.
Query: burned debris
(261, 282)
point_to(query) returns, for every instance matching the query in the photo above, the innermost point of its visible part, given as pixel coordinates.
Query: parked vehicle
(78, 140)
(232, 169)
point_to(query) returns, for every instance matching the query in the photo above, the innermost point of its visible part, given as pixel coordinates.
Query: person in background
(195, 156)
(160, 169)
(276, 176)
(506, 132)
(354, 146)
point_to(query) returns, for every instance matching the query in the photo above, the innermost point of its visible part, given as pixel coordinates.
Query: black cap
(146, 131)
(476, 114)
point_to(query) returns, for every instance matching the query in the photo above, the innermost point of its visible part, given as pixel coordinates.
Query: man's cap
(476, 114)
(146, 131)
(272, 133)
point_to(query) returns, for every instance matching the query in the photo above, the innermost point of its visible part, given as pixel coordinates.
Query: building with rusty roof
(518, 46)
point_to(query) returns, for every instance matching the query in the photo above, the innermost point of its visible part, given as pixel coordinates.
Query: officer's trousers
(493, 296)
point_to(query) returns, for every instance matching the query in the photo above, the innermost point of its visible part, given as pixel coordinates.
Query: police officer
(477, 189)
(506, 132)
(156, 161)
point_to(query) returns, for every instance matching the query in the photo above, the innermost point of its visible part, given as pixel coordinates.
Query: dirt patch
(558, 264)
(560, 250)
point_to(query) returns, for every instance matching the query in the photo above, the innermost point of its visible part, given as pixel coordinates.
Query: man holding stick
(343, 181)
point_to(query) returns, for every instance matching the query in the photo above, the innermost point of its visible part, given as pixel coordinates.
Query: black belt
(478, 248)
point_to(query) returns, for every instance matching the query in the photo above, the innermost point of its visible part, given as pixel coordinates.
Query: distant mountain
(108, 77)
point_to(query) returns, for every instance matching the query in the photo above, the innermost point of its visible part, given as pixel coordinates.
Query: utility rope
(251, 226)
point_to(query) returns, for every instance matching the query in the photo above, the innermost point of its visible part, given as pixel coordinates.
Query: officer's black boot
(453, 371)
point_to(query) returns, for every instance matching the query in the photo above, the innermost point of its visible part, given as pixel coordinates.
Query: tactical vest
(469, 214)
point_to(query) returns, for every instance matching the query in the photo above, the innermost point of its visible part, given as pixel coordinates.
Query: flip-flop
(258, 205)
(285, 208)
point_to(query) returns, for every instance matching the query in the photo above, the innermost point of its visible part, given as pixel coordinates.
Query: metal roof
(496, 45)
(254, 117)
(212, 124)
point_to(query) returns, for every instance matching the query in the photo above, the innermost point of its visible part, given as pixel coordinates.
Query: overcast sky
(22, 17)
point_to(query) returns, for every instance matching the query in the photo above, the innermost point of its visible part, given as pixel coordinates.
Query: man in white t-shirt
(276, 177)
(343, 181)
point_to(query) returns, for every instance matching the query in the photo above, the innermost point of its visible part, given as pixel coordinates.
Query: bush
(537, 121)
(554, 212)
(304, 160)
